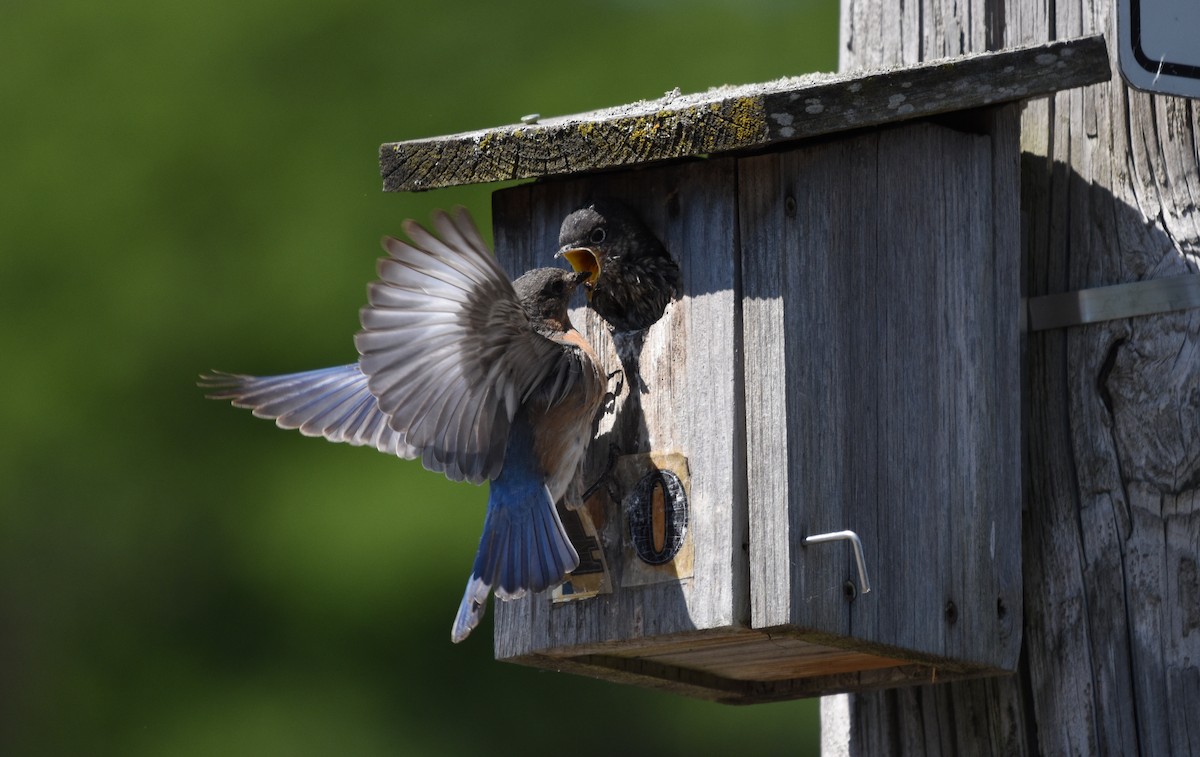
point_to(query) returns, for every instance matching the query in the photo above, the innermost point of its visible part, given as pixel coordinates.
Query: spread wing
(447, 349)
(331, 402)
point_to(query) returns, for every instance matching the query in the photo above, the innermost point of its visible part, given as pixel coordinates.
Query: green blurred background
(186, 186)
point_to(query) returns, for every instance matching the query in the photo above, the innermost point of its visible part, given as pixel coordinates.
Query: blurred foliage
(194, 185)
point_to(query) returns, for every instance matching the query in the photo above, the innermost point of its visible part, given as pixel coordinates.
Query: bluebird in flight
(479, 378)
(632, 277)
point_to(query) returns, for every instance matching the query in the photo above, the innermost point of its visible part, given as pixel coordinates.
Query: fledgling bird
(632, 276)
(479, 378)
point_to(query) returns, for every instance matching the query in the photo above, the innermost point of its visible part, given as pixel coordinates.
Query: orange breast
(565, 429)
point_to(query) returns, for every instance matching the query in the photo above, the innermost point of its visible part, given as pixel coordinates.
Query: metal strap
(1059, 311)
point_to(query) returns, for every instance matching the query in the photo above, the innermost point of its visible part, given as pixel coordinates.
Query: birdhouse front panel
(663, 533)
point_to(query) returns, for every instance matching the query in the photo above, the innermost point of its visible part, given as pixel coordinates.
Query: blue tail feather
(523, 546)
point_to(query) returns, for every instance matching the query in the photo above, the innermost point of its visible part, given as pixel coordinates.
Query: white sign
(1160, 45)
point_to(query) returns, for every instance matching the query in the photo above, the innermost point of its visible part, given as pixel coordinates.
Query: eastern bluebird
(632, 276)
(480, 378)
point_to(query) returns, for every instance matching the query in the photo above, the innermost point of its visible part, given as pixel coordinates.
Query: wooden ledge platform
(746, 117)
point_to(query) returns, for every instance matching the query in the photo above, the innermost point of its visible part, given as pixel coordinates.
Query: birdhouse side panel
(877, 257)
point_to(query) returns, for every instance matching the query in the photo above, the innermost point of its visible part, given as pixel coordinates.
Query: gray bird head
(602, 233)
(545, 292)
(631, 276)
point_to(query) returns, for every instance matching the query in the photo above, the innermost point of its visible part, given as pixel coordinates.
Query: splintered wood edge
(744, 117)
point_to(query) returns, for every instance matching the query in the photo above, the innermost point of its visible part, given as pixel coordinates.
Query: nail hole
(849, 590)
(1001, 608)
(789, 205)
(951, 613)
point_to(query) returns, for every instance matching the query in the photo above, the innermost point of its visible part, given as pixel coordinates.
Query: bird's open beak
(583, 259)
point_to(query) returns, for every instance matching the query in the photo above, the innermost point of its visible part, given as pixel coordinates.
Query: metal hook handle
(864, 584)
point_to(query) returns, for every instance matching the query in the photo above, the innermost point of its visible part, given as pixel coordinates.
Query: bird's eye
(597, 236)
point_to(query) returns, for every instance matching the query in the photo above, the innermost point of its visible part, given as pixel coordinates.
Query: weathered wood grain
(859, 384)
(683, 391)
(883, 395)
(679, 394)
(1110, 178)
(703, 684)
(741, 118)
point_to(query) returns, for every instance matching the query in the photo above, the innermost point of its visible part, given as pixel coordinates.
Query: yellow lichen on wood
(728, 119)
(749, 119)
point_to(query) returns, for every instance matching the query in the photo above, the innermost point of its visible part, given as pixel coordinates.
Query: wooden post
(1111, 525)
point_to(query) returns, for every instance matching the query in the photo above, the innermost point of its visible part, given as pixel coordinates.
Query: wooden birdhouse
(809, 474)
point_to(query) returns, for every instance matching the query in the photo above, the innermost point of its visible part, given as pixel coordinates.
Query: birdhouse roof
(740, 118)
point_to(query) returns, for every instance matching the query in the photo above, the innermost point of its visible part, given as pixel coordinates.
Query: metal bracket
(864, 584)
(1058, 311)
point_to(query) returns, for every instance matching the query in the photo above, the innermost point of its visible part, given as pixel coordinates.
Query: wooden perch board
(740, 118)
